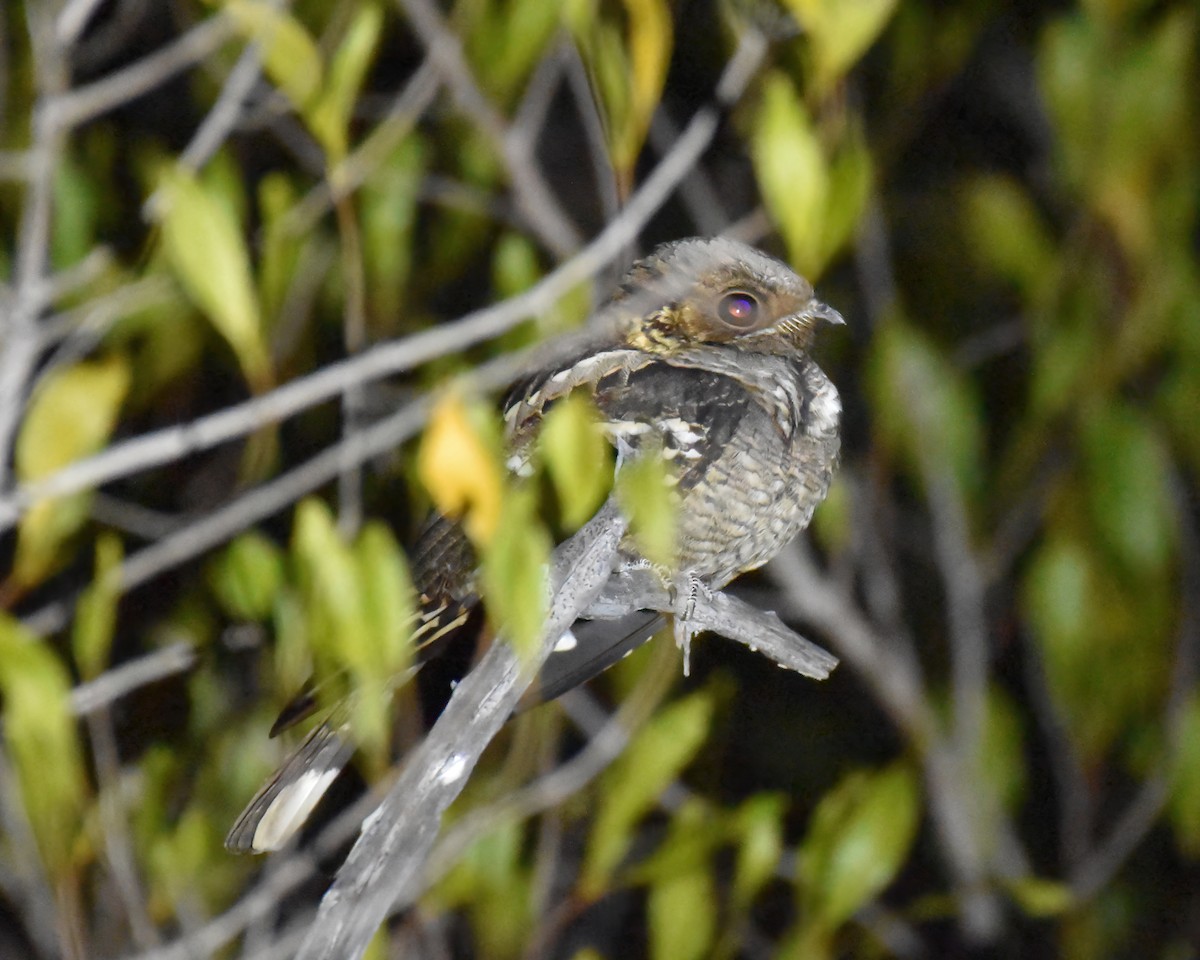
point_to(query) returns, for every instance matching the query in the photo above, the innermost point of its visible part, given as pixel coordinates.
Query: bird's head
(717, 291)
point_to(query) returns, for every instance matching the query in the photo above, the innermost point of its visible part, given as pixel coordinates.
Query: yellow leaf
(70, 416)
(460, 470)
(649, 33)
(290, 56)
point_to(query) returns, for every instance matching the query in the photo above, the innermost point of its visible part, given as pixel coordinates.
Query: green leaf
(1002, 753)
(280, 246)
(506, 39)
(631, 786)
(791, 170)
(760, 829)
(1119, 100)
(850, 175)
(939, 423)
(1008, 233)
(839, 33)
(334, 621)
(1064, 367)
(682, 911)
(1039, 897)
(96, 612)
(389, 599)
(858, 839)
(697, 831)
(514, 570)
(831, 525)
(515, 265)
(1184, 805)
(208, 254)
(645, 489)
(649, 34)
(39, 732)
(493, 883)
(290, 56)
(1104, 639)
(330, 114)
(71, 415)
(1126, 470)
(814, 192)
(247, 576)
(388, 211)
(77, 203)
(293, 651)
(578, 459)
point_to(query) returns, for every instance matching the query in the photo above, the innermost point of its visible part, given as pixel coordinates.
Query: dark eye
(739, 309)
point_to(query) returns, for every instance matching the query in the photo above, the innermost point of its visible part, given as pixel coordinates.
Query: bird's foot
(684, 594)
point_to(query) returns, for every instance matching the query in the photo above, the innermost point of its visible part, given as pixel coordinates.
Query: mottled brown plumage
(701, 356)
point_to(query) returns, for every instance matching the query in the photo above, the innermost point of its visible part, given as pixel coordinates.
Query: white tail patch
(291, 808)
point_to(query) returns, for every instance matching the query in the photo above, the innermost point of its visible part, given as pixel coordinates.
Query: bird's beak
(816, 310)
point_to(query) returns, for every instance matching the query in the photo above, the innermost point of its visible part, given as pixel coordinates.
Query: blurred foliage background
(245, 241)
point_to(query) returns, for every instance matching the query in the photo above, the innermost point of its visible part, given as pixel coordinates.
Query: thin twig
(172, 443)
(20, 348)
(73, 19)
(226, 522)
(225, 114)
(354, 339)
(86, 103)
(120, 681)
(1101, 864)
(698, 192)
(30, 891)
(407, 107)
(836, 617)
(963, 582)
(593, 129)
(539, 93)
(536, 201)
(93, 317)
(118, 847)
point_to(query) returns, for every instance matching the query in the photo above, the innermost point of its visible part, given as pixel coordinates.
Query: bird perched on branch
(700, 357)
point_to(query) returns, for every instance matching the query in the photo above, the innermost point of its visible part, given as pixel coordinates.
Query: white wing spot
(520, 465)
(825, 408)
(626, 428)
(291, 808)
(682, 431)
(566, 642)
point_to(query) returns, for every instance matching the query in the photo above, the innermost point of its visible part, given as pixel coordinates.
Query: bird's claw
(683, 602)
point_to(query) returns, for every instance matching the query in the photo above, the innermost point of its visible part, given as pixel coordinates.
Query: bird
(701, 356)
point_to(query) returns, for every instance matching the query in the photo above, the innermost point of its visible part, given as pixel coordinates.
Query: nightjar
(701, 356)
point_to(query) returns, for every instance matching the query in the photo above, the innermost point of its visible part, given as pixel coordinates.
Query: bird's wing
(284, 803)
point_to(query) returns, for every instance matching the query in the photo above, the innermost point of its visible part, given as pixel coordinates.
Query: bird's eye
(739, 309)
